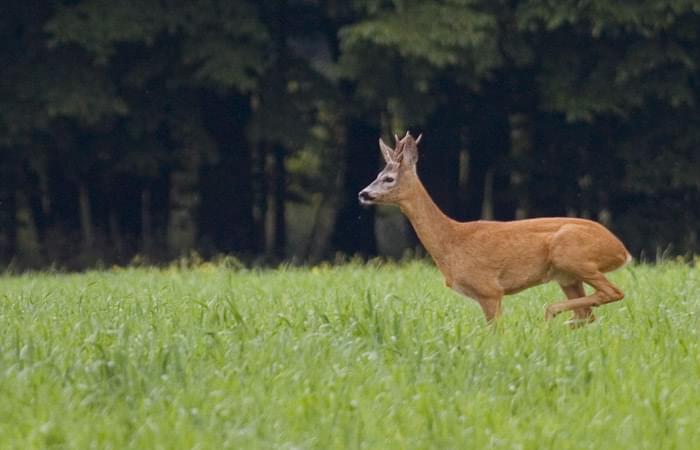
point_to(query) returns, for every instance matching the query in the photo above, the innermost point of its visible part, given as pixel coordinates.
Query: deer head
(394, 182)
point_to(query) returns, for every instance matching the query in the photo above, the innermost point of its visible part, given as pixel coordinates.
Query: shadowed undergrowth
(350, 357)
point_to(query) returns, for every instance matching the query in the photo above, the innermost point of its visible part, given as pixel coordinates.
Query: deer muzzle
(365, 197)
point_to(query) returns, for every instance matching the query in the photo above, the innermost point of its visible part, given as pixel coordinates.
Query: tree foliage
(160, 127)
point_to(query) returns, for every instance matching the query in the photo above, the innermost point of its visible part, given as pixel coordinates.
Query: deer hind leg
(584, 315)
(605, 292)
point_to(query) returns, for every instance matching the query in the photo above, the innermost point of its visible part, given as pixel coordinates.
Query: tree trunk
(280, 197)
(487, 143)
(520, 155)
(246, 233)
(275, 223)
(472, 200)
(43, 178)
(585, 182)
(43, 208)
(463, 184)
(439, 170)
(260, 200)
(226, 217)
(324, 222)
(86, 229)
(487, 202)
(8, 222)
(27, 238)
(115, 234)
(354, 227)
(146, 223)
(184, 203)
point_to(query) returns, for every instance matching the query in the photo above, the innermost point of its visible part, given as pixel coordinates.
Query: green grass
(377, 357)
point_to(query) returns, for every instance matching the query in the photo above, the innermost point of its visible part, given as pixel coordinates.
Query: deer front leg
(491, 307)
(488, 298)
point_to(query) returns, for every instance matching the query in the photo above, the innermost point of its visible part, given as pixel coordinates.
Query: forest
(145, 130)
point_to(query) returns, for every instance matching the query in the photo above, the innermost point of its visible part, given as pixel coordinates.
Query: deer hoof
(578, 322)
(550, 313)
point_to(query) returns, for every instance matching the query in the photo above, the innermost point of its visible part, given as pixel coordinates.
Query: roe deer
(485, 260)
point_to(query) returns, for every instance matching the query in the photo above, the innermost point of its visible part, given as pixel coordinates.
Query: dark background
(157, 128)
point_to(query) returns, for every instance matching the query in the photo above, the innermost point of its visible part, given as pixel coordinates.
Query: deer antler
(387, 152)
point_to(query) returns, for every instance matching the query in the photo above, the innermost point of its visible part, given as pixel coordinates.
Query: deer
(486, 260)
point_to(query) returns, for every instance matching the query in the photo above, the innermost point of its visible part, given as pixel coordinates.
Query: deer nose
(365, 196)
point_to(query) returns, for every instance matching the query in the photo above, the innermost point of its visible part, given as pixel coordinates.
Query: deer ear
(409, 154)
(408, 150)
(387, 152)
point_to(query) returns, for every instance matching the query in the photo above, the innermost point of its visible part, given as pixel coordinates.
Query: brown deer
(486, 260)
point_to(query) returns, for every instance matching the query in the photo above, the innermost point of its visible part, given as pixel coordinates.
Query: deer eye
(388, 179)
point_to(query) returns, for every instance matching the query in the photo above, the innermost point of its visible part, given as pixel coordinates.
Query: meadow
(366, 356)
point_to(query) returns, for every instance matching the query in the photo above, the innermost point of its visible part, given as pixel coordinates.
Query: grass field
(377, 357)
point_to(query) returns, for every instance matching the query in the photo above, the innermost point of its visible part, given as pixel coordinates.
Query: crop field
(377, 356)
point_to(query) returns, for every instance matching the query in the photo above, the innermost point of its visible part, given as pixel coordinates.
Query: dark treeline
(160, 127)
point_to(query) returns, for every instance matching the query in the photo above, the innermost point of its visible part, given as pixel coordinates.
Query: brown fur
(486, 260)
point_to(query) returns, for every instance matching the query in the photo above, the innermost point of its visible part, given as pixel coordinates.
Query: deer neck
(434, 229)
